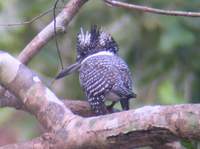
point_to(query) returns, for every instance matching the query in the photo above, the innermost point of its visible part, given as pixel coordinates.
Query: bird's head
(94, 41)
(89, 43)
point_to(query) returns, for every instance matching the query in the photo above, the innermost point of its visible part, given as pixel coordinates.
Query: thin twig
(27, 22)
(30, 21)
(151, 10)
(55, 32)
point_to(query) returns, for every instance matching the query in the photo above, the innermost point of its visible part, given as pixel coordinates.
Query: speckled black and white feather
(101, 76)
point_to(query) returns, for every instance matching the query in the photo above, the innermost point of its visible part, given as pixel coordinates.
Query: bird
(103, 74)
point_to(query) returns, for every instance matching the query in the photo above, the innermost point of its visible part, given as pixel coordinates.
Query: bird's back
(102, 74)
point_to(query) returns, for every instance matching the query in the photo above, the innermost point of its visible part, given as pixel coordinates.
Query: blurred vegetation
(162, 52)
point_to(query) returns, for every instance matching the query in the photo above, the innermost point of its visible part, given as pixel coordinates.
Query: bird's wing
(123, 85)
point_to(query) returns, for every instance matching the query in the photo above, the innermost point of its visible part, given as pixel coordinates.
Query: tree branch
(34, 19)
(38, 99)
(146, 126)
(151, 10)
(11, 101)
(78, 107)
(63, 19)
(27, 22)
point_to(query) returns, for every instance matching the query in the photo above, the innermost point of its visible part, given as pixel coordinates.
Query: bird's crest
(94, 41)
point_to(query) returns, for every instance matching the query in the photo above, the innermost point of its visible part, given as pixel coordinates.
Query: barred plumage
(102, 73)
(105, 76)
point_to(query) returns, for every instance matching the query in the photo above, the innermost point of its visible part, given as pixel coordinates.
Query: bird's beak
(69, 70)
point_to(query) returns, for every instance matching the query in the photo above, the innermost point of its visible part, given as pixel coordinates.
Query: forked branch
(146, 126)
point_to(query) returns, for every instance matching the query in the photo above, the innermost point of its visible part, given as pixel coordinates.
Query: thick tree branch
(78, 107)
(38, 99)
(151, 10)
(63, 19)
(11, 101)
(146, 126)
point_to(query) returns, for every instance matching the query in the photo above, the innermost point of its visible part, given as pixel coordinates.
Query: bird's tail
(66, 71)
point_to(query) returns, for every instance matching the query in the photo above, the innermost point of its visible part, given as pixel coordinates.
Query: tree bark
(146, 126)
